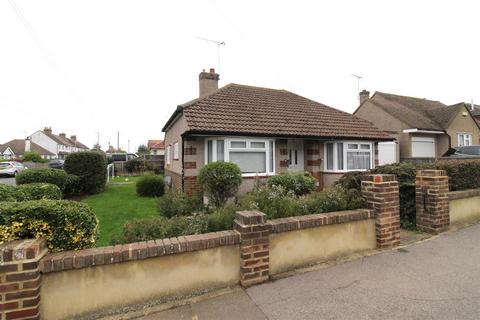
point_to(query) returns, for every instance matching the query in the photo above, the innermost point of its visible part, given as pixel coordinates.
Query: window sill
(345, 171)
(249, 175)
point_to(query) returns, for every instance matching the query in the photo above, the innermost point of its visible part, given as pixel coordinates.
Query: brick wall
(382, 194)
(176, 180)
(313, 161)
(432, 203)
(20, 279)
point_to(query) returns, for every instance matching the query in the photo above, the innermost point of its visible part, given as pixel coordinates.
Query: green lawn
(117, 205)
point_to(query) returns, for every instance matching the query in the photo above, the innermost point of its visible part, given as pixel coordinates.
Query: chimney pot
(62, 135)
(364, 95)
(73, 138)
(47, 130)
(208, 82)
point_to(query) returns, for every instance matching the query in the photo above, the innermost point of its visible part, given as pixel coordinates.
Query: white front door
(295, 155)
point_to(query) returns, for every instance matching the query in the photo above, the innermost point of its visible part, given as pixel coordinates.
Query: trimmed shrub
(351, 180)
(150, 186)
(44, 175)
(220, 180)
(73, 187)
(90, 167)
(32, 156)
(66, 225)
(137, 165)
(11, 193)
(334, 199)
(179, 204)
(221, 219)
(300, 183)
(37, 191)
(463, 174)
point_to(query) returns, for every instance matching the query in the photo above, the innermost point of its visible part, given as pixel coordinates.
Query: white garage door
(423, 147)
(387, 152)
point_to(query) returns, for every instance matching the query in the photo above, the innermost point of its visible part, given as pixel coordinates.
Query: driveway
(435, 279)
(9, 181)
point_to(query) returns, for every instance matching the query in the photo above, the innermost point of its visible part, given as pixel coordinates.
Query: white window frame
(175, 151)
(227, 148)
(345, 151)
(465, 136)
(168, 161)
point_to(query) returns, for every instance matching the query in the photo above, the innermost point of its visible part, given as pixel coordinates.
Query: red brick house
(266, 132)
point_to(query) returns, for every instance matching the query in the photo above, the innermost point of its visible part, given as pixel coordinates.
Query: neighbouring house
(17, 147)
(475, 111)
(156, 147)
(425, 129)
(59, 144)
(266, 132)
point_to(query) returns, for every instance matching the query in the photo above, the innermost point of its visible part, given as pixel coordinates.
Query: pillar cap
(250, 217)
(379, 178)
(431, 173)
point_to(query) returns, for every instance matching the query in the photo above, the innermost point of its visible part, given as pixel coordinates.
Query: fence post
(254, 246)
(381, 191)
(432, 204)
(20, 278)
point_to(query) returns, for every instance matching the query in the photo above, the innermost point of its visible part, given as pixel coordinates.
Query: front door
(295, 155)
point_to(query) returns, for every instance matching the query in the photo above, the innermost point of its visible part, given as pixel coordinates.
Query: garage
(423, 147)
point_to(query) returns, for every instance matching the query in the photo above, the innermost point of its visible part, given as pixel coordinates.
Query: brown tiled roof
(156, 144)
(417, 112)
(65, 141)
(18, 147)
(240, 109)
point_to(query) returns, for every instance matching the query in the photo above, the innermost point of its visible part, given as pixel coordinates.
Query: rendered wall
(464, 206)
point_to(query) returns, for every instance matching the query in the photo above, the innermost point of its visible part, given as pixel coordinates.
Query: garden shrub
(32, 156)
(90, 167)
(37, 191)
(11, 193)
(336, 198)
(463, 174)
(150, 186)
(300, 183)
(220, 180)
(45, 175)
(137, 165)
(222, 218)
(66, 225)
(73, 187)
(179, 204)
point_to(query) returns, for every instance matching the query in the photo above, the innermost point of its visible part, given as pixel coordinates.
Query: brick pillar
(20, 279)
(314, 161)
(382, 196)
(281, 156)
(192, 165)
(432, 204)
(254, 246)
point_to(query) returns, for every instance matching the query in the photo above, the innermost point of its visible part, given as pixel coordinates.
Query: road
(435, 279)
(9, 181)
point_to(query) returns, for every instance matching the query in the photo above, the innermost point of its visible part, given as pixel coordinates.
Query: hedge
(150, 186)
(46, 175)
(300, 183)
(90, 167)
(10, 193)
(66, 225)
(37, 191)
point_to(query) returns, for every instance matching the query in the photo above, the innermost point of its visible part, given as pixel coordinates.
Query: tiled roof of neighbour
(18, 147)
(240, 109)
(417, 112)
(65, 141)
(156, 144)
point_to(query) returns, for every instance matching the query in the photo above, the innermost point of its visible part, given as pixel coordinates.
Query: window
(464, 139)
(351, 156)
(253, 156)
(175, 151)
(167, 155)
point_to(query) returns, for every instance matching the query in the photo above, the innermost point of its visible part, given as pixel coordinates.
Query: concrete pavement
(434, 279)
(9, 181)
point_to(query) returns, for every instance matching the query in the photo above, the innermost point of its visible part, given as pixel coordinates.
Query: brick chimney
(208, 82)
(73, 138)
(28, 145)
(62, 135)
(364, 95)
(47, 130)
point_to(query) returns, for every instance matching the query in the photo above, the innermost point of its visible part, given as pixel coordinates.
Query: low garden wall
(464, 206)
(87, 281)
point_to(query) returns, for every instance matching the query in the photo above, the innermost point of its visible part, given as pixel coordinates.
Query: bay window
(253, 156)
(348, 156)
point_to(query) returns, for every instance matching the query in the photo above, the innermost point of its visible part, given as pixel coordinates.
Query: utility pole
(98, 140)
(118, 140)
(128, 146)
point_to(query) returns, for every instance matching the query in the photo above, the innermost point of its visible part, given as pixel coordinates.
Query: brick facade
(313, 161)
(20, 279)
(191, 186)
(176, 184)
(382, 194)
(432, 202)
(254, 246)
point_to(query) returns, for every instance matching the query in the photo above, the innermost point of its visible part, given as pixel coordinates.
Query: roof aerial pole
(219, 44)
(358, 84)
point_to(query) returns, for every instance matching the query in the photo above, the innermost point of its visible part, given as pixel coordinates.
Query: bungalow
(156, 147)
(266, 132)
(17, 148)
(424, 129)
(59, 144)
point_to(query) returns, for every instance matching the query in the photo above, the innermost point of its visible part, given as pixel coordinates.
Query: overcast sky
(91, 66)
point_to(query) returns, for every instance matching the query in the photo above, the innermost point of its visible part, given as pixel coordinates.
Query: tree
(32, 156)
(97, 147)
(143, 149)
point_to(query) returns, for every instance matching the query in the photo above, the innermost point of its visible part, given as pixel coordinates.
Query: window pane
(250, 162)
(220, 150)
(352, 146)
(255, 144)
(329, 156)
(238, 144)
(272, 169)
(365, 146)
(358, 160)
(209, 151)
(340, 155)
